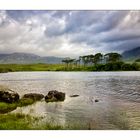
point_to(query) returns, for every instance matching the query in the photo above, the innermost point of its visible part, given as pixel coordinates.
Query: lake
(118, 94)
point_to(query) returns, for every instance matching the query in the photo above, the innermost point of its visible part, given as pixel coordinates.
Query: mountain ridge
(132, 53)
(27, 58)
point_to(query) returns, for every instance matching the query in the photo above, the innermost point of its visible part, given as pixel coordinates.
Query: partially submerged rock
(8, 96)
(54, 96)
(74, 95)
(96, 100)
(34, 96)
(10, 100)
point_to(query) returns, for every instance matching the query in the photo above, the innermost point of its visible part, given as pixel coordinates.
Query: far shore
(115, 66)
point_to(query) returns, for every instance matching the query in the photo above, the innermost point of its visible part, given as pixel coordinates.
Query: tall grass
(21, 121)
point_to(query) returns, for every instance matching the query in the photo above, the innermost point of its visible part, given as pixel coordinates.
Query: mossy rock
(24, 102)
(55, 96)
(34, 96)
(8, 96)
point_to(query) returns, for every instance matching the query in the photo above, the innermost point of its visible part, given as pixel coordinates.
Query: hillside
(132, 54)
(27, 58)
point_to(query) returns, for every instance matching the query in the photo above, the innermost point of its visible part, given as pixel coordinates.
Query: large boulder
(54, 96)
(34, 96)
(8, 96)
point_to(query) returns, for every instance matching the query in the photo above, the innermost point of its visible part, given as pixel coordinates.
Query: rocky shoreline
(10, 100)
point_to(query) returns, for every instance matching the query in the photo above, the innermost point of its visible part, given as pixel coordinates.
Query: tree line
(99, 62)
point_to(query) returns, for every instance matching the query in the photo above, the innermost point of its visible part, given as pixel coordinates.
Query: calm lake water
(118, 94)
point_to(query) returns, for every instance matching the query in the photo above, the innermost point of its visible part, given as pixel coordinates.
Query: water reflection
(118, 95)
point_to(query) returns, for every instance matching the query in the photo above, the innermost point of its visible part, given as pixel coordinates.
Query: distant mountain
(132, 54)
(27, 58)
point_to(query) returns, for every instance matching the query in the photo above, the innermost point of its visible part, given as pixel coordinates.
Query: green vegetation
(15, 122)
(7, 107)
(117, 66)
(111, 66)
(113, 57)
(4, 70)
(137, 60)
(97, 62)
(100, 62)
(30, 67)
(20, 121)
(25, 102)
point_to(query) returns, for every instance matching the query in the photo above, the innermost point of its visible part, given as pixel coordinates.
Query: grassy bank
(116, 66)
(19, 121)
(30, 67)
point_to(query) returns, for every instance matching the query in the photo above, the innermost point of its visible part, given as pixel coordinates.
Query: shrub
(126, 67)
(135, 66)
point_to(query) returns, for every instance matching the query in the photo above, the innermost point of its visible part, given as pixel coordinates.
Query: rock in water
(34, 96)
(75, 95)
(8, 96)
(54, 96)
(96, 100)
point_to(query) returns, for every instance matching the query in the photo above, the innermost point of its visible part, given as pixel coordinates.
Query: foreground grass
(20, 121)
(116, 119)
(15, 122)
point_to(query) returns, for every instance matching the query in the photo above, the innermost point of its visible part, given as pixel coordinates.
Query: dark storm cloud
(90, 21)
(81, 20)
(68, 33)
(125, 45)
(61, 13)
(23, 14)
(121, 37)
(110, 21)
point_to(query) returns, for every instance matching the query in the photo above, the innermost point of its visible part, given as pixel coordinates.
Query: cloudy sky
(68, 33)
